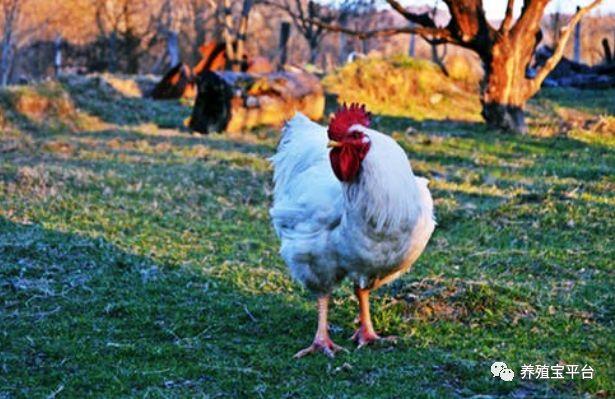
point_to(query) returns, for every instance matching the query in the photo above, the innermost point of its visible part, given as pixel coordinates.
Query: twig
(59, 389)
(250, 315)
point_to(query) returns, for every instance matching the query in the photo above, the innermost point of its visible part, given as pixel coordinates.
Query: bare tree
(506, 51)
(170, 21)
(363, 15)
(438, 57)
(127, 28)
(204, 12)
(242, 33)
(235, 38)
(302, 14)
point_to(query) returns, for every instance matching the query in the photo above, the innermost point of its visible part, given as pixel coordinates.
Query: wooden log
(234, 102)
(213, 57)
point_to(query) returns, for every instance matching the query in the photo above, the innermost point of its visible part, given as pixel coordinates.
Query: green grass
(139, 261)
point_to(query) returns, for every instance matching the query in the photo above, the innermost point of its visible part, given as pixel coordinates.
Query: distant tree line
(143, 36)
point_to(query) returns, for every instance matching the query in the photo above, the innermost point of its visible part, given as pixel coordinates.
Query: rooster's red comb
(345, 118)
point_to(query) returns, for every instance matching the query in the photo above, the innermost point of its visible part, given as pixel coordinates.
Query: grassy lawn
(138, 260)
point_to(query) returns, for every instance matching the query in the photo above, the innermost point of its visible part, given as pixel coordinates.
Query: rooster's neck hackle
(384, 193)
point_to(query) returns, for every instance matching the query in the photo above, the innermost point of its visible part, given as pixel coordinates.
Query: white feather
(371, 230)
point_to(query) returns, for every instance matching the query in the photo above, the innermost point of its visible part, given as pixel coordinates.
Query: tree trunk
(509, 118)
(313, 52)
(228, 33)
(113, 52)
(199, 29)
(242, 32)
(11, 11)
(505, 88)
(131, 52)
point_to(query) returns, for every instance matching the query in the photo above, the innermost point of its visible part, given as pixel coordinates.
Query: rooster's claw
(364, 338)
(326, 346)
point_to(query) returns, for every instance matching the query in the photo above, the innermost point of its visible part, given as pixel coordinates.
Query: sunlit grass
(404, 87)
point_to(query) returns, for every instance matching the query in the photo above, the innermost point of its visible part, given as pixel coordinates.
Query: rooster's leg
(365, 335)
(322, 342)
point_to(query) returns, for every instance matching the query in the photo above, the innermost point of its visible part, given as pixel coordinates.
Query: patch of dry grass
(463, 301)
(403, 86)
(40, 103)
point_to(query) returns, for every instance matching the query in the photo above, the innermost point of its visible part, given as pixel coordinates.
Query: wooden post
(343, 39)
(283, 46)
(577, 40)
(608, 55)
(173, 47)
(113, 52)
(412, 48)
(57, 55)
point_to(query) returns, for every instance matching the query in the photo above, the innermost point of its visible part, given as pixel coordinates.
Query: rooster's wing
(307, 196)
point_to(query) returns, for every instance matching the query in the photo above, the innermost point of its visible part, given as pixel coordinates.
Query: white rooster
(346, 204)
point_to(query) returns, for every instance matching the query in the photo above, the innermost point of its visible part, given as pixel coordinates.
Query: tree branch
(304, 25)
(433, 35)
(469, 24)
(436, 35)
(558, 51)
(531, 14)
(421, 19)
(510, 6)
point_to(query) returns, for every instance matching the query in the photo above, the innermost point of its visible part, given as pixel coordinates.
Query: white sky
(495, 8)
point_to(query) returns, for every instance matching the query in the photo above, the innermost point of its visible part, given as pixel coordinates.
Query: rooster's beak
(333, 144)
